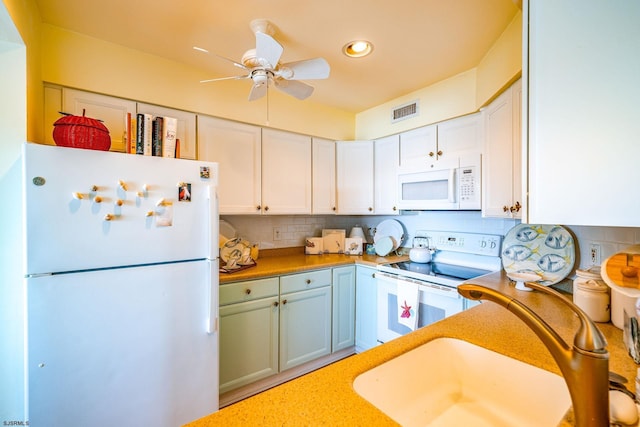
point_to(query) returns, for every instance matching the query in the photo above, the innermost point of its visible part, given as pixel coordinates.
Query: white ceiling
(416, 42)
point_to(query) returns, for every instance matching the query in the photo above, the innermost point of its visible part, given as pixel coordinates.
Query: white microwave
(447, 188)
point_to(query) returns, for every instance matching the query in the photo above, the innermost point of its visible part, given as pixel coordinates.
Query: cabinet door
(498, 166)
(344, 307)
(418, 149)
(354, 177)
(248, 342)
(237, 149)
(324, 176)
(305, 326)
(386, 155)
(111, 110)
(366, 309)
(186, 127)
(583, 112)
(460, 136)
(286, 172)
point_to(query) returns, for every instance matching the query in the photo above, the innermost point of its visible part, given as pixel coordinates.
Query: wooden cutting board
(623, 269)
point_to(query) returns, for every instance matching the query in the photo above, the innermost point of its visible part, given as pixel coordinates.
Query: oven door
(435, 303)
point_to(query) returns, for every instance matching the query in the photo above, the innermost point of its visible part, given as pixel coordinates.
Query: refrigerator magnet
(205, 172)
(184, 192)
(164, 215)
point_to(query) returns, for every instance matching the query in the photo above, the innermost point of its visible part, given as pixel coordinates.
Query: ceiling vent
(405, 111)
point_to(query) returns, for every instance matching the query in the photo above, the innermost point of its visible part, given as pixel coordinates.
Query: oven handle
(433, 288)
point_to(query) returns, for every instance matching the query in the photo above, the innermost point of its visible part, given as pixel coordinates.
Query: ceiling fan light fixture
(357, 48)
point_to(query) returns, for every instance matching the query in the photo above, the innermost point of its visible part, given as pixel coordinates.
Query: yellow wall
(75, 60)
(449, 98)
(502, 65)
(456, 96)
(26, 18)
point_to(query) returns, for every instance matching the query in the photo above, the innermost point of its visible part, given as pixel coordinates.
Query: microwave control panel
(469, 187)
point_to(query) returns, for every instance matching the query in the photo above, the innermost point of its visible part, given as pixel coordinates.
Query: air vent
(405, 111)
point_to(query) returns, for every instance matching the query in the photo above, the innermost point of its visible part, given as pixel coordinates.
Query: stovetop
(458, 257)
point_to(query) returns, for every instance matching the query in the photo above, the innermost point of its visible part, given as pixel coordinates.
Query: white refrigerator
(122, 288)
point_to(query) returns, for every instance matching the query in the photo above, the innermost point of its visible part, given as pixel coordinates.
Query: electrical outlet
(594, 251)
(276, 233)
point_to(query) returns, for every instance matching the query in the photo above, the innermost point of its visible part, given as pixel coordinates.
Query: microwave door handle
(452, 182)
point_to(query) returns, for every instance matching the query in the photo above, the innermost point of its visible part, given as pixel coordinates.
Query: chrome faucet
(584, 366)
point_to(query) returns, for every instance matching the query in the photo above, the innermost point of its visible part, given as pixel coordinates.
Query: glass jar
(591, 294)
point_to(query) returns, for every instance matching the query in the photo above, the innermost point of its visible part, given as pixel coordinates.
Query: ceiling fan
(263, 67)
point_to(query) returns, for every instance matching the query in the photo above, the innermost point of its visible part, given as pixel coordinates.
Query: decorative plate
(390, 228)
(546, 250)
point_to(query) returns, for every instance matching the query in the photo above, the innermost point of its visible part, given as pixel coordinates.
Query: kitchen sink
(451, 382)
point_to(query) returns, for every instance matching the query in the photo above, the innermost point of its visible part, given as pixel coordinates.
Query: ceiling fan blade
(226, 78)
(308, 69)
(268, 48)
(237, 64)
(258, 91)
(296, 89)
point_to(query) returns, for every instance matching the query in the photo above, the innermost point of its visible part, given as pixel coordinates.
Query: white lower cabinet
(344, 308)
(366, 309)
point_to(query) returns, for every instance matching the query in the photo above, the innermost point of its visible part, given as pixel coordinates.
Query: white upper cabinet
(461, 135)
(386, 158)
(418, 149)
(501, 162)
(439, 146)
(582, 92)
(354, 177)
(286, 172)
(323, 176)
(111, 110)
(237, 149)
(186, 127)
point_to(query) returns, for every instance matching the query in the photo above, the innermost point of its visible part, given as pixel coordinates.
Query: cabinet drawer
(249, 290)
(303, 281)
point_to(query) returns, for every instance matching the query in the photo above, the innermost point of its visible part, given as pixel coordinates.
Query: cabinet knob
(395, 209)
(247, 291)
(505, 208)
(266, 208)
(517, 207)
(373, 275)
(308, 281)
(431, 154)
(333, 208)
(284, 301)
(439, 152)
(276, 303)
(258, 207)
(370, 209)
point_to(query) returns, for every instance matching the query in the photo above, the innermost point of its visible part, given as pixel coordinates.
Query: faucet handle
(588, 337)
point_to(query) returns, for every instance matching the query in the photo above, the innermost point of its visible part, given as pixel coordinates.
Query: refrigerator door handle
(212, 195)
(212, 315)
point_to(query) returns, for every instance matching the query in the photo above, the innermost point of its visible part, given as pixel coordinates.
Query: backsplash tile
(290, 230)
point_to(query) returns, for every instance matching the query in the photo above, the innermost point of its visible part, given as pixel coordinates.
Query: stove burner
(439, 269)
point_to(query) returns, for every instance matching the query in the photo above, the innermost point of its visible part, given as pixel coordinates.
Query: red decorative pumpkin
(81, 132)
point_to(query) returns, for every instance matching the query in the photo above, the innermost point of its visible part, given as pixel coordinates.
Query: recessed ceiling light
(357, 48)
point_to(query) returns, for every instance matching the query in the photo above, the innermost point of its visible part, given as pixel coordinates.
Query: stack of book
(150, 135)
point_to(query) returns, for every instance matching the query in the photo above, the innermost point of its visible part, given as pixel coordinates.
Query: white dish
(225, 229)
(385, 245)
(389, 228)
(236, 252)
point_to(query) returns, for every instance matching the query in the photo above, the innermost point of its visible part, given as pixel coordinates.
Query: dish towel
(408, 303)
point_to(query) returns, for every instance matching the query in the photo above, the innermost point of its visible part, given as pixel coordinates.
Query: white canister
(591, 294)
